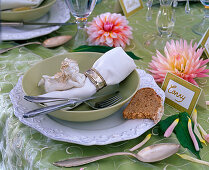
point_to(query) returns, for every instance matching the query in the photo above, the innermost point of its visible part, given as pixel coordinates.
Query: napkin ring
(95, 78)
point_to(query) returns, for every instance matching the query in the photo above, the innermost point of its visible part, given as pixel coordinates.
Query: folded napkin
(114, 66)
(10, 4)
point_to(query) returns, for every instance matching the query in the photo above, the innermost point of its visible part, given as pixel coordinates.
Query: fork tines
(109, 102)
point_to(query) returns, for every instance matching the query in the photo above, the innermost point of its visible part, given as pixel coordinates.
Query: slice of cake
(145, 104)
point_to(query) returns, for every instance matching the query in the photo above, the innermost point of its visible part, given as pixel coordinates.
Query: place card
(130, 7)
(180, 94)
(204, 42)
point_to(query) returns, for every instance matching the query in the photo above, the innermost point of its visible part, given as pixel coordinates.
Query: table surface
(22, 147)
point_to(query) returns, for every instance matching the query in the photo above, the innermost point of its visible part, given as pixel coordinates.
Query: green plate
(50, 66)
(27, 15)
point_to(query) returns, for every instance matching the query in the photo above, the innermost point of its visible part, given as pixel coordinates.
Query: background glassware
(149, 10)
(165, 19)
(201, 27)
(187, 7)
(175, 3)
(165, 22)
(81, 9)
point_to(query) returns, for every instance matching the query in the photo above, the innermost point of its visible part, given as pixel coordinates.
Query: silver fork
(105, 103)
(108, 102)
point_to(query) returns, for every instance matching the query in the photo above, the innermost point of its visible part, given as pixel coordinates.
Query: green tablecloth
(24, 148)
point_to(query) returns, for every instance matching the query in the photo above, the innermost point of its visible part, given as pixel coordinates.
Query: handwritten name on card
(180, 94)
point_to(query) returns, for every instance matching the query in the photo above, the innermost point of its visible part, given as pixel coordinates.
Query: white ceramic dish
(58, 13)
(101, 132)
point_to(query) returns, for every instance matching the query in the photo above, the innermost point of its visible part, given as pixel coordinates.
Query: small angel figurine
(68, 78)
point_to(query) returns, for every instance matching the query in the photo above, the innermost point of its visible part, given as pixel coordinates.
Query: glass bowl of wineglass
(81, 9)
(202, 27)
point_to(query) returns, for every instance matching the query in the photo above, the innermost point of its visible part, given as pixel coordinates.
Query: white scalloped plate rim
(130, 129)
(62, 16)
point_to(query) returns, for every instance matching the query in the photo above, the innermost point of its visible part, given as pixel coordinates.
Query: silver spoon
(151, 153)
(48, 43)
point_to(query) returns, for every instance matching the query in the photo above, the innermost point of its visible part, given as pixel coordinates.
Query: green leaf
(181, 131)
(182, 134)
(101, 49)
(164, 124)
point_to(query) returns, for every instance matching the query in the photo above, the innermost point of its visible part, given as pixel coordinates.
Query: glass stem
(81, 23)
(187, 7)
(81, 36)
(206, 12)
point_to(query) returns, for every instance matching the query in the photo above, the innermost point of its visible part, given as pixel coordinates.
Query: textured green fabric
(22, 147)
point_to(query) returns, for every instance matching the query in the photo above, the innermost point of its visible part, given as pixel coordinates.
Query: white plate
(101, 132)
(58, 13)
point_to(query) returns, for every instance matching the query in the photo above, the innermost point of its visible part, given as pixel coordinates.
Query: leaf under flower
(101, 49)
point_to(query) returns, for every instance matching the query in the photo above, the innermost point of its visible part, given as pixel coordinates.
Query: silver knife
(21, 24)
(52, 108)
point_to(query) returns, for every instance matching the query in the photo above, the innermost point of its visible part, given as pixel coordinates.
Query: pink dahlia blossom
(109, 30)
(180, 59)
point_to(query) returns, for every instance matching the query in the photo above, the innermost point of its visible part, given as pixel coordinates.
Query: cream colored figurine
(68, 78)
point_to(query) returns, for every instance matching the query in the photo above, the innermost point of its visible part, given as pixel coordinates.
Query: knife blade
(21, 24)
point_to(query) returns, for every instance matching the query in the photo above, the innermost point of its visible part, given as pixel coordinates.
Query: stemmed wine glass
(81, 9)
(202, 27)
(165, 22)
(165, 18)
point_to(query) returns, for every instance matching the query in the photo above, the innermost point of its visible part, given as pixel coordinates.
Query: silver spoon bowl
(151, 153)
(48, 43)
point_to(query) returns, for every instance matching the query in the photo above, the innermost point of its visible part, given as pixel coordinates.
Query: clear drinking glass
(165, 19)
(81, 9)
(202, 27)
(165, 22)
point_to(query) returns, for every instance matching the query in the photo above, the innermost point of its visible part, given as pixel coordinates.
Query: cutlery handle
(48, 109)
(17, 46)
(12, 24)
(85, 160)
(36, 99)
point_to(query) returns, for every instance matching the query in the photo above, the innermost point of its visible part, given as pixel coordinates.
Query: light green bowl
(82, 113)
(28, 15)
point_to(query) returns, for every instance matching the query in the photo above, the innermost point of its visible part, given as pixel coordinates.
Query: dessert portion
(145, 104)
(68, 78)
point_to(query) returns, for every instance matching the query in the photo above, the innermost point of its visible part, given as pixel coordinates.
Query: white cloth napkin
(10, 4)
(114, 66)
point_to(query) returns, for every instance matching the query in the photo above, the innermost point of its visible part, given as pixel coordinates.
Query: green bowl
(50, 66)
(28, 15)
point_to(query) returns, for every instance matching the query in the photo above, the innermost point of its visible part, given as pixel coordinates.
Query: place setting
(22, 20)
(137, 99)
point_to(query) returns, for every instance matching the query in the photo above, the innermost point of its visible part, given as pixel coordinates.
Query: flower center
(108, 26)
(179, 63)
(178, 57)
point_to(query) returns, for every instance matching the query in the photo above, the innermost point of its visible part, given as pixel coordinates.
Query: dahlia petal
(194, 140)
(202, 75)
(192, 81)
(200, 69)
(170, 129)
(205, 71)
(203, 62)
(109, 39)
